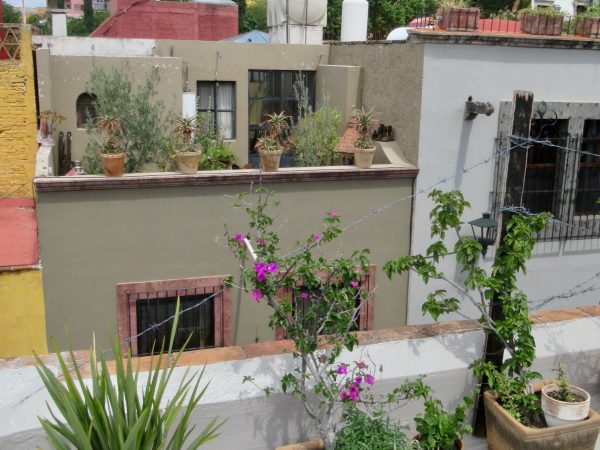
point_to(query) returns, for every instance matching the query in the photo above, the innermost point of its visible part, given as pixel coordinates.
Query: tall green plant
(479, 288)
(316, 137)
(102, 415)
(144, 127)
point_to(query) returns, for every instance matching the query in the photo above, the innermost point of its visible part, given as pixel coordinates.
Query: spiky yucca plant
(102, 415)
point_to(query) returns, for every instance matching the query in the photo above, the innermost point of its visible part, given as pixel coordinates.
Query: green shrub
(370, 433)
(100, 415)
(316, 137)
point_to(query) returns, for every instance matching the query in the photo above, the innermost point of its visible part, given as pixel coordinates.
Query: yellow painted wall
(18, 122)
(22, 314)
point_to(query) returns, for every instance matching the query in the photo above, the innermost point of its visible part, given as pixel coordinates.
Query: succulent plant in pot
(364, 146)
(269, 146)
(188, 153)
(112, 153)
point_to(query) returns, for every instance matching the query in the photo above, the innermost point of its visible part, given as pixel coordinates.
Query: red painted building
(151, 19)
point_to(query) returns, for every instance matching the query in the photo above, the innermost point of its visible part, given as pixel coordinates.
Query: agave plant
(184, 128)
(102, 415)
(366, 121)
(276, 124)
(111, 125)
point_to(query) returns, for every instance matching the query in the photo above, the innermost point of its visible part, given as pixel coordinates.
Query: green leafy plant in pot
(588, 23)
(457, 15)
(111, 150)
(364, 146)
(269, 146)
(542, 21)
(188, 153)
(563, 403)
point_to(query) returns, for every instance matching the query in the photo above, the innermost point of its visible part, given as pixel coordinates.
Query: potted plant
(437, 428)
(542, 21)
(457, 15)
(111, 151)
(188, 153)
(269, 146)
(364, 147)
(563, 403)
(588, 23)
(48, 121)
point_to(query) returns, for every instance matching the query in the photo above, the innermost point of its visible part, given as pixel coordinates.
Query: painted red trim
(127, 317)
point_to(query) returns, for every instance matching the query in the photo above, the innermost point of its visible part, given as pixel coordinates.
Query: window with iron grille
(364, 301)
(144, 310)
(562, 182)
(86, 109)
(217, 100)
(272, 91)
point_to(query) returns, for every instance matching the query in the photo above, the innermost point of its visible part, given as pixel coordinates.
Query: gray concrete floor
(475, 443)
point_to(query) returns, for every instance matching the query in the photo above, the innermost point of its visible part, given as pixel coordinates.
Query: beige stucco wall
(63, 78)
(92, 240)
(340, 86)
(391, 82)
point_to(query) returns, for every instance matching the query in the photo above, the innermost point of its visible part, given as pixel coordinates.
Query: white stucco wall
(258, 422)
(448, 143)
(87, 46)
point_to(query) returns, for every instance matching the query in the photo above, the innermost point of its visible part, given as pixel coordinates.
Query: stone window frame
(127, 308)
(216, 108)
(576, 113)
(367, 313)
(84, 100)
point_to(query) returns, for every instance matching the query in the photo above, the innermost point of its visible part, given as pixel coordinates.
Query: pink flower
(260, 242)
(316, 237)
(239, 238)
(272, 267)
(344, 395)
(354, 283)
(304, 295)
(257, 295)
(261, 271)
(342, 369)
(334, 213)
(353, 392)
(369, 379)
(362, 365)
(358, 380)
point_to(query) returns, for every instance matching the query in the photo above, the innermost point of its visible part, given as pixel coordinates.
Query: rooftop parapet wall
(441, 352)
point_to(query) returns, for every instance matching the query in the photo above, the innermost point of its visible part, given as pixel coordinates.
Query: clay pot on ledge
(188, 162)
(315, 444)
(363, 157)
(270, 160)
(112, 164)
(505, 432)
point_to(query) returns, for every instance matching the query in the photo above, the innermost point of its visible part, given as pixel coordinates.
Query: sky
(28, 3)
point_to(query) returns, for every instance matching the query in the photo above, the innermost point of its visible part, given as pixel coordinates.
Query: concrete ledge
(223, 177)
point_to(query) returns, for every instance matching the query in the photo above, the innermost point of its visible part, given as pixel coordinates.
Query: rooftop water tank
(302, 12)
(355, 16)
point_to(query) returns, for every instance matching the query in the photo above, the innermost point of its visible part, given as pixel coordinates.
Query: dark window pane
(588, 176)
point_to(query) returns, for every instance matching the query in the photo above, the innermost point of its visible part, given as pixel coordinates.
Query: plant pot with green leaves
(269, 146)
(457, 15)
(588, 23)
(541, 21)
(111, 150)
(188, 153)
(562, 403)
(364, 146)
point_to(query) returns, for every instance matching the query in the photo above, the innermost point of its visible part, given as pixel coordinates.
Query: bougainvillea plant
(316, 301)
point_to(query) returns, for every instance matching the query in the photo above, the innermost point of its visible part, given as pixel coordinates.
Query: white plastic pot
(562, 413)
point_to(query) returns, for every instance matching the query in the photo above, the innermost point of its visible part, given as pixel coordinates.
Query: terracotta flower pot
(458, 19)
(315, 444)
(113, 164)
(560, 413)
(588, 27)
(363, 157)
(542, 25)
(188, 162)
(505, 432)
(269, 161)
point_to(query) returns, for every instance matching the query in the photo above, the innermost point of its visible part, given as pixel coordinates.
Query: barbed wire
(575, 290)
(521, 210)
(524, 142)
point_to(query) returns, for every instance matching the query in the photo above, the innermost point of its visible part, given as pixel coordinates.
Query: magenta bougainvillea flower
(261, 271)
(260, 242)
(316, 237)
(304, 295)
(342, 370)
(272, 267)
(344, 395)
(369, 379)
(354, 283)
(334, 213)
(239, 237)
(362, 365)
(358, 380)
(257, 295)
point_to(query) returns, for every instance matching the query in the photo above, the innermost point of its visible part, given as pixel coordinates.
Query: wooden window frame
(126, 310)
(366, 315)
